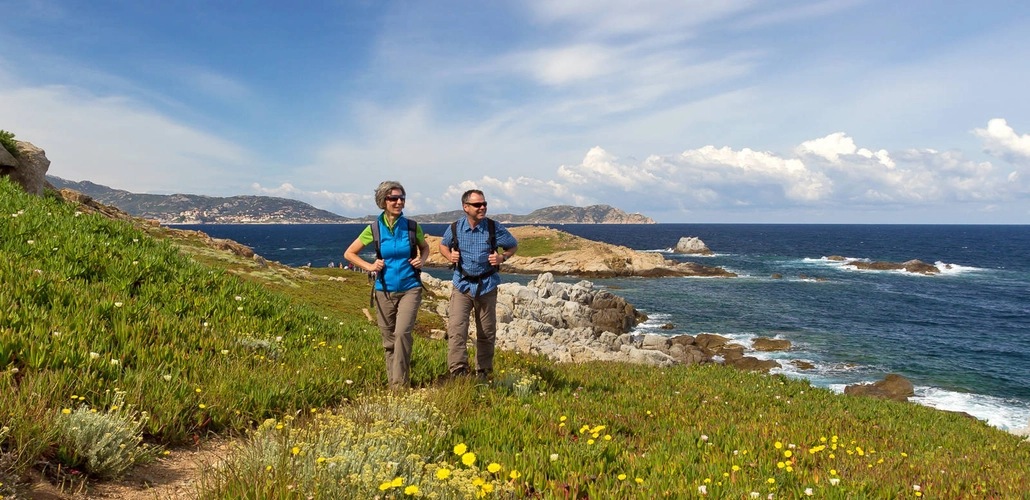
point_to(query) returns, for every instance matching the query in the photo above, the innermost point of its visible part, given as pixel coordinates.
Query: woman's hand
(378, 265)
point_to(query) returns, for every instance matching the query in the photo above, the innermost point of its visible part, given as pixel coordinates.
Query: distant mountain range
(199, 209)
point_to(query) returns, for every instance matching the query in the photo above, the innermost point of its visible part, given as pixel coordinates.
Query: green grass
(538, 246)
(211, 344)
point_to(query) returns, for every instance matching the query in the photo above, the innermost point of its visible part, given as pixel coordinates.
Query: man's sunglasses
(394, 198)
(477, 205)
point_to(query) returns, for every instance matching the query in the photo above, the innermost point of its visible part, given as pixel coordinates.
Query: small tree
(7, 139)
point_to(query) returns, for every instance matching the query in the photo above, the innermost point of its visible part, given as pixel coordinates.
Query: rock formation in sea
(893, 387)
(912, 266)
(692, 245)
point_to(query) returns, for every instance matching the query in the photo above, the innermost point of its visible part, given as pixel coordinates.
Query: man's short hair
(468, 194)
(384, 190)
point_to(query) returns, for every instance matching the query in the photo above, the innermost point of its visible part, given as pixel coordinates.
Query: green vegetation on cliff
(213, 344)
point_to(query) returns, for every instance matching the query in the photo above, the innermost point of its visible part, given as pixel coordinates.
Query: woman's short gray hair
(384, 190)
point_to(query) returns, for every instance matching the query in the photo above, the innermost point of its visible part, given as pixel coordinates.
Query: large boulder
(692, 245)
(768, 344)
(28, 170)
(893, 387)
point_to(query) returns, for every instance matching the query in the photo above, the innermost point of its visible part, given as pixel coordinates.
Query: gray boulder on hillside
(27, 170)
(692, 245)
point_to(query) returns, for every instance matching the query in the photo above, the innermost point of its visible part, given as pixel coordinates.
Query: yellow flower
(411, 490)
(442, 473)
(397, 482)
(468, 459)
(778, 445)
(514, 474)
(202, 406)
(788, 453)
(639, 480)
(295, 450)
(488, 487)
(268, 468)
(622, 477)
(859, 450)
(494, 467)
(66, 411)
(771, 480)
(385, 486)
(320, 459)
(607, 437)
(590, 441)
(563, 418)
(478, 481)
(780, 465)
(736, 468)
(460, 449)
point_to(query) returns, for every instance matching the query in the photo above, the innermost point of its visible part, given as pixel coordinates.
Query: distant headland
(200, 209)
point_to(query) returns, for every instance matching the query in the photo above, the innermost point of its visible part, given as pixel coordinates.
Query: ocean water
(962, 337)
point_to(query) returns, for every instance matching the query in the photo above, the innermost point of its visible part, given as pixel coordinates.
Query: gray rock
(692, 245)
(768, 344)
(28, 170)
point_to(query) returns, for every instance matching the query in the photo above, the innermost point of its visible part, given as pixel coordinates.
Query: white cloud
(119, 142)
(341, 203)
(1001, 140)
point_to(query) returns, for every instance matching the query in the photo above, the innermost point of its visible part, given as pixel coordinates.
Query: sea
(962, 336)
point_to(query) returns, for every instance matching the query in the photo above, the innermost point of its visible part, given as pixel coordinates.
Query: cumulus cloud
(1001, 140)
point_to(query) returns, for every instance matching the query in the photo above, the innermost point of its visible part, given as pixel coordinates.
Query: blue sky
(819, 111)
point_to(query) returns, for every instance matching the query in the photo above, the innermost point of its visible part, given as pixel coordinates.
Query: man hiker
(471, 244)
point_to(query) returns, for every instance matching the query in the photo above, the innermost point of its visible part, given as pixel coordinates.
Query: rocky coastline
(569, 255)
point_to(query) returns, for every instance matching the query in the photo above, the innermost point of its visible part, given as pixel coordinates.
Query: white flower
(57, 334)
(205, 324)
(809, 492)
(114, 361)
(225, 351)
(166, 377)
(755, 494)
(916, 487)
(94, 355)
(118, 304)
(279, 339)
(13, 370)
(554, 457)
(238, 298)
(834, 481)
(135, 262)
(135, 240)
(348, 381)
(702, 489)
(77, 213)
(30, 242)
(704, 437)
(239, 308)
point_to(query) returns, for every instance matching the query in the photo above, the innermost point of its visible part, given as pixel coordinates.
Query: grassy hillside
(93, 310)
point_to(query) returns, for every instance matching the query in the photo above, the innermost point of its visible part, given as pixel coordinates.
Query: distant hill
(199, 209)
(561, 214)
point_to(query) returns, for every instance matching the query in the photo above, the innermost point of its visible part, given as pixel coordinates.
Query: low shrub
(106, 443)
(7, 139)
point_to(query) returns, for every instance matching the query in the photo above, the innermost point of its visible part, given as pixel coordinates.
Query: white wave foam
(1005, 414)
(952, 269)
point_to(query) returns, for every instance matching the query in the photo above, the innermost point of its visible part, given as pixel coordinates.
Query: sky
(736, 111)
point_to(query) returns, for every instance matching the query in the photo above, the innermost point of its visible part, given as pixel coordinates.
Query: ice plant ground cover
(206, 343)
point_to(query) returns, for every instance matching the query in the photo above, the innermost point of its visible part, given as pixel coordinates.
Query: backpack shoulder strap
(491, 228)
(376, 238)
(413, 237)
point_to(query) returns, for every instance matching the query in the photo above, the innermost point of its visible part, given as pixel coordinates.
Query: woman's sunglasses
(394, 198)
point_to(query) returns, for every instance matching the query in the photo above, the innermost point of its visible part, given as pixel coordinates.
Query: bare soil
(173, 476)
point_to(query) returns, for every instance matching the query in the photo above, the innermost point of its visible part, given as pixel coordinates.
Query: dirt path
(173, 476)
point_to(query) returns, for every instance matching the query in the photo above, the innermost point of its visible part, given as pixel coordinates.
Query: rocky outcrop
(912, 266)
(28, 169)
(692, 245)
(570, 255)
(768, 344)
(578, 323)
(893, 387)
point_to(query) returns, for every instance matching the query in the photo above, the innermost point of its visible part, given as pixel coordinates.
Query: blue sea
(962, 337)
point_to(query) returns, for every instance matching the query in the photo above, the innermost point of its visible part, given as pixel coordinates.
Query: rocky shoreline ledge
(546, 250)
(576, 323)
